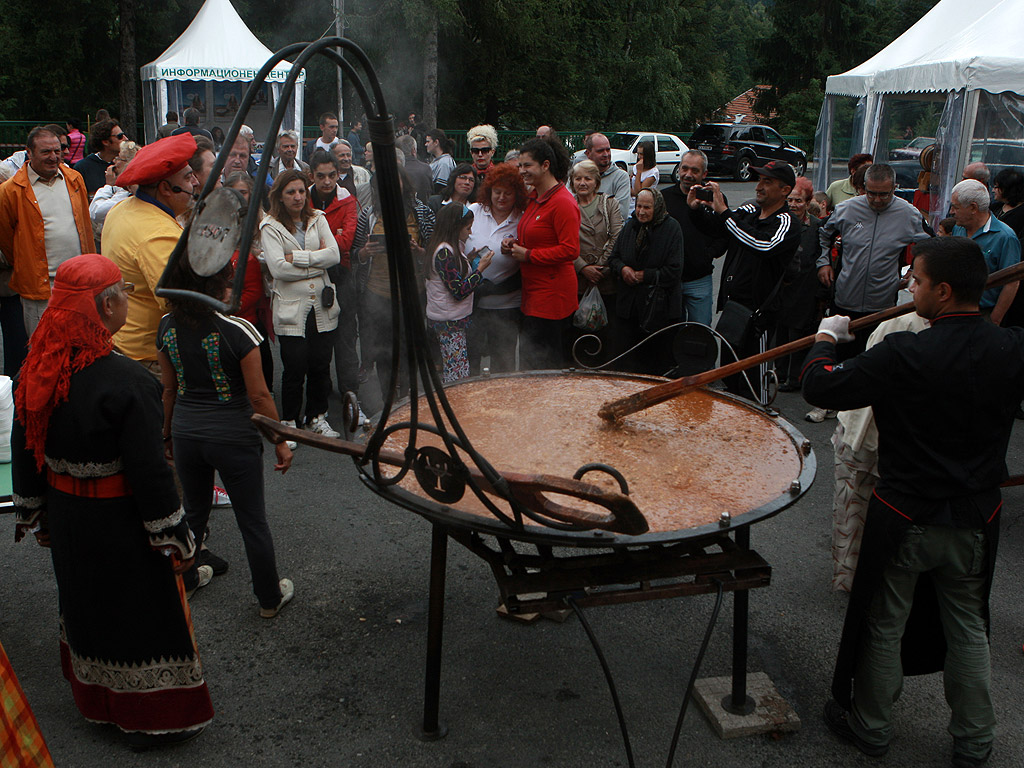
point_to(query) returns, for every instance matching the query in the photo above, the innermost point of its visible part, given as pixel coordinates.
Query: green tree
(812, 39)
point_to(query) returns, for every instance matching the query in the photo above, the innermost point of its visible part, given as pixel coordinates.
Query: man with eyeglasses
(483, 140)
(104, 143)
(44, 221)
(876, 229)
(140, 233)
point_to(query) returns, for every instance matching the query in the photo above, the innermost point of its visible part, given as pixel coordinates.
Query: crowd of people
(117, 383)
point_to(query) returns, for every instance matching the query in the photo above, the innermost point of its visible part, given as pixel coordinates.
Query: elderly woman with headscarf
(91, 483)
(647, 262)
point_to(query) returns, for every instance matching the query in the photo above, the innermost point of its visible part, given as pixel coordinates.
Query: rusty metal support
(737, 702)
(432, 728)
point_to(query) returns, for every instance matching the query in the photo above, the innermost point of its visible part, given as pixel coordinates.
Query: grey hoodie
(873, 243)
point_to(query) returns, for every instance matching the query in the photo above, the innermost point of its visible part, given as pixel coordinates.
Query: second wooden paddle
(659, 393)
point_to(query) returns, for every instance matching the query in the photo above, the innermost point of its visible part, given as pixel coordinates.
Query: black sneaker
(141, 742)
(963, 761)
(219, 564)
(836, 720)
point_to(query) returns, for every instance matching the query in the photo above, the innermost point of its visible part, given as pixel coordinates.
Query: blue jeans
(697, 300)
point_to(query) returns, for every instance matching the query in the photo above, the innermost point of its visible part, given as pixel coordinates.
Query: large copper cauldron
(694, 466)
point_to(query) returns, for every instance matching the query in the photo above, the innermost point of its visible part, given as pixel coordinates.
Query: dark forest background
(647, 64)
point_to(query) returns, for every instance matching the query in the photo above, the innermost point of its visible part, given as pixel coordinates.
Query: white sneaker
(220, 497)
(318, 425)
(818, 415)
(292, 445)
(205, 576)
(287, 593)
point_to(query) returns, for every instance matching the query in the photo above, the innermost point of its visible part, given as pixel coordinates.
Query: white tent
(209, 67)
(967, 59)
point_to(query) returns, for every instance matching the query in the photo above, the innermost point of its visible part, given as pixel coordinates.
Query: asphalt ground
(337, 678)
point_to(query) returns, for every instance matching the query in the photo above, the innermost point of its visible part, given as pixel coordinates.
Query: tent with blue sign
(209, 67)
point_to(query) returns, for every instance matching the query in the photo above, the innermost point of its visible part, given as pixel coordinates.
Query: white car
(668, 150)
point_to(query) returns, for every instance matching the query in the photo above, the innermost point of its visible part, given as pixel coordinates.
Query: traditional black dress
(106, 496)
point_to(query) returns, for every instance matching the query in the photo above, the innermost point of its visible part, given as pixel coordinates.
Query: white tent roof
(956, 45)
(216, 46)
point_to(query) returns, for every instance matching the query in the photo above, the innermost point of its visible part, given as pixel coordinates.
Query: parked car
(912, 150)
(997, 154)
(668, 150)
(733, 148)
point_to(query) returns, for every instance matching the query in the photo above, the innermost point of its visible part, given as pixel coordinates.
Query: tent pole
(300, 87)
(161, 106)
(823, 144)
(967, 132)
(339, 12)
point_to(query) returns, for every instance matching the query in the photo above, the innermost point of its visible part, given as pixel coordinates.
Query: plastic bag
(591, 315)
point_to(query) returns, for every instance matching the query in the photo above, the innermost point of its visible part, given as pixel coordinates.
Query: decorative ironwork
(591, 346)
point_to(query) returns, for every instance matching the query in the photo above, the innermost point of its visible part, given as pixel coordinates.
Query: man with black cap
(141, 232)
(762, 240)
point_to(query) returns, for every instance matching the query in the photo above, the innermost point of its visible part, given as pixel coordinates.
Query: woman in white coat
(298, 246)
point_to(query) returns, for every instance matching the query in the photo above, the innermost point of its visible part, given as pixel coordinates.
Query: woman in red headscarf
(91, 483)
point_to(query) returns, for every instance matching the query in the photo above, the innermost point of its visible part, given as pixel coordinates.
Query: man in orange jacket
(44, 221)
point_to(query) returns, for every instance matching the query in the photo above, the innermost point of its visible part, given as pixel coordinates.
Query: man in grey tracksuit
(875, 228)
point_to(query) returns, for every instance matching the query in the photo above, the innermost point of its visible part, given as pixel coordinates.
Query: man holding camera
(762, 239)
(699, 250)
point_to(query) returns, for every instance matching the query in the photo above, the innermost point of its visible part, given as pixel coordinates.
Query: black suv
(732, 148)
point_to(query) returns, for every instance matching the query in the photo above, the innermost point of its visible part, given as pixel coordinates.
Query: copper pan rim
(451, 517)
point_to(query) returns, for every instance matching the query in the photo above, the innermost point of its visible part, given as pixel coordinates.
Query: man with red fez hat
(91, 483)
(140, 233)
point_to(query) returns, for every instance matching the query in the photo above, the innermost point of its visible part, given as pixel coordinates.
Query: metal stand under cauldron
(519, 520)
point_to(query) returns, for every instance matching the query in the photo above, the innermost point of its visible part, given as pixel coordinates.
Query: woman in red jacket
(546, 243)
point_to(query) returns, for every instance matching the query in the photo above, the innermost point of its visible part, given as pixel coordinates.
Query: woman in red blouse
(547, 243)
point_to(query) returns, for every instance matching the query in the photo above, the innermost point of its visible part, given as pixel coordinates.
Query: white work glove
(838, 327)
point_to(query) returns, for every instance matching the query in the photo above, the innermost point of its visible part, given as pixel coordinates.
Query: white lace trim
(29, 502)
(168, 543)
(160, 674)
(85, 469)
(154, 675)
(155, 526)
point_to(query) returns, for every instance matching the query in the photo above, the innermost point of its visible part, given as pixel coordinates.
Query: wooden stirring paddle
(615, 410)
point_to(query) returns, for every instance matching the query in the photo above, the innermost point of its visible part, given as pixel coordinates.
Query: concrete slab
(771, 712)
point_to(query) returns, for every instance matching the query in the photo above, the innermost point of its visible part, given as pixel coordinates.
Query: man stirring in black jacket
(944, 401)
